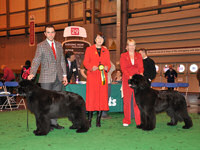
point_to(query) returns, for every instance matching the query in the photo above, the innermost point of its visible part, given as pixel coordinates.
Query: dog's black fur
(46, 105)
(152, 101)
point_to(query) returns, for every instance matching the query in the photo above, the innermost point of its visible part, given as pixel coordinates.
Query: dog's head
(25, 86)
(138, 82)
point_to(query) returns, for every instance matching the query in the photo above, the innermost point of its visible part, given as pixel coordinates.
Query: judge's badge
(103, 78)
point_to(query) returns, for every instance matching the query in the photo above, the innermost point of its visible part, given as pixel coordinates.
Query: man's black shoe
(57, 126)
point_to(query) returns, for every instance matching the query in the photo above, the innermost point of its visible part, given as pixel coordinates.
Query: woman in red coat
(97, 63)
(131, 63)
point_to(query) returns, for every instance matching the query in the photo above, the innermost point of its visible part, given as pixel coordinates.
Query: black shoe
(57, 126)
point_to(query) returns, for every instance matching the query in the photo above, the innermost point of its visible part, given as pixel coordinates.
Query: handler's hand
(30, 76)
(106, 68)
(94, 68)
(65, 82)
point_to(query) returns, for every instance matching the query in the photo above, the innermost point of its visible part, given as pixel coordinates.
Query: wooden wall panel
(163, 24)
(3, 21)
(145, 14)
(54, 2)
(168, 37)
(171, 10)
(171, 1)
(111, 6)
(135, 4)
(16, 51)
(59, 13)
(165, 30)
(4, 33)
(39, 15)
(165, 17)
(15, 32)
(177, 29)
(77, 10)
(60, 26)
(2, 6)
(17, 5)
(170, 44)
(36, 3)
(17, 19)
(190, 6)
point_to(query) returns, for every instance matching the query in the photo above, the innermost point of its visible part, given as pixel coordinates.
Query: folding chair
(158, 84)
(10, 102)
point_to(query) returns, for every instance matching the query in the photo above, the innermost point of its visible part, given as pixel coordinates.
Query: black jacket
(149, 68)
(171, 75)
(73, 70)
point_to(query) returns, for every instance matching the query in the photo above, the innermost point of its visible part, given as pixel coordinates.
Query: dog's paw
(186, 127)
(171, 124)
(73, 127)
(81, 130)
(39, 133)
(139, 126)
(147, 129)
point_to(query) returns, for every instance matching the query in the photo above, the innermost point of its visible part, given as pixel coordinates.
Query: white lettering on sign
(112, 102)
(74, 31)
(179, 51)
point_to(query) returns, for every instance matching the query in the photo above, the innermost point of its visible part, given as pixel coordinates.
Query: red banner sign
(32, 31)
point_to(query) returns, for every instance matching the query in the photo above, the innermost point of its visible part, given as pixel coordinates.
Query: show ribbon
(103, 78)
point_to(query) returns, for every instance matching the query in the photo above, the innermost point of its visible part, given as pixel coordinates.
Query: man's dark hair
(144, 50)
(28, 63)
(69, 54)
(49, 26)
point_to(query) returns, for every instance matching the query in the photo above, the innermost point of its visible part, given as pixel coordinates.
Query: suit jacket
(73, 70)
(49, 66)
(149, 68)
(128, 69)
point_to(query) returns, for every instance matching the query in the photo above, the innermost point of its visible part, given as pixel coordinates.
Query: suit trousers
(56, 86)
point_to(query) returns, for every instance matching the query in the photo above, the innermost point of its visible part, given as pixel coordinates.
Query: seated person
(117, 76)
(71, 66)
(8, 74)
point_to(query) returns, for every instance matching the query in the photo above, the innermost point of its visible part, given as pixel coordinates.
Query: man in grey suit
(49, 54)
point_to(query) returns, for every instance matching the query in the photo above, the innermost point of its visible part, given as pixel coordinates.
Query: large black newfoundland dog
(46, 105)
(151, 101)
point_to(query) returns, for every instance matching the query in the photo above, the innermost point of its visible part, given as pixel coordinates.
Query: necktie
(54, 52)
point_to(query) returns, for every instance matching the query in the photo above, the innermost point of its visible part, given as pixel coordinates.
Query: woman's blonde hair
(2, 67)
(130, 41)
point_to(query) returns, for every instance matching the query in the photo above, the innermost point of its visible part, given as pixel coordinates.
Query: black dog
(46, 105)
(151, 101)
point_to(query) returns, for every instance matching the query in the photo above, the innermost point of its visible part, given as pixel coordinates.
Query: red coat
(96, 93)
